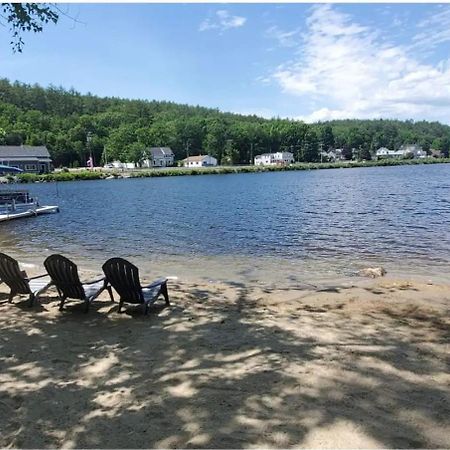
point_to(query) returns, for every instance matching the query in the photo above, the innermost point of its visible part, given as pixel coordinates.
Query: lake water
(284, 227)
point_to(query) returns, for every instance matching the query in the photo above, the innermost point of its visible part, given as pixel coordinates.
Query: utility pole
(251, 153)
(320, 150)
(105, 158)
(228, 151)
(188, 144)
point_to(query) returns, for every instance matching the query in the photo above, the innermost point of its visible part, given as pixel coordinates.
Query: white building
(415, 150)
(384, 152)
(120, 165)
(333, 155)
(200, 161)
(405, 151)
(158, 157)
(273, 159)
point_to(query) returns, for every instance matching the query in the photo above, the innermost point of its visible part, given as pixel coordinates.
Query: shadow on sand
(218, 373)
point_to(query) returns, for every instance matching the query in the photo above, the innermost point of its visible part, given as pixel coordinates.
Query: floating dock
(29, 213)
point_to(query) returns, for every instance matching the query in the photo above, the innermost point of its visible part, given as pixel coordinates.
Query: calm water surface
(257, 227)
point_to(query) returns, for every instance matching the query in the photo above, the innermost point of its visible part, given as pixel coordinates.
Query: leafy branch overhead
(23, 17)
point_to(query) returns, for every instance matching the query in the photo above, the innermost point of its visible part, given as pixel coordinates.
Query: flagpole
(91, 158)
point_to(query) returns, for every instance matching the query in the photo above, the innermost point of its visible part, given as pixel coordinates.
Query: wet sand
(230, 365)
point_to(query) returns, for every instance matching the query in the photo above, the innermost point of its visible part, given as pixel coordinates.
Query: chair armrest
(95, 281)
(38, 276)
(158, 282)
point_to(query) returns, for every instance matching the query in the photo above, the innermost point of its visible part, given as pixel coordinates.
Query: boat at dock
(17, 204)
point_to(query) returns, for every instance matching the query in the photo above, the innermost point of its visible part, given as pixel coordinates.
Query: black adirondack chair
(124, 278)
(64, 275)
(18, 281)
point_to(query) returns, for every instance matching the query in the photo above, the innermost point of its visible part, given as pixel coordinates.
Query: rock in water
(372, 272)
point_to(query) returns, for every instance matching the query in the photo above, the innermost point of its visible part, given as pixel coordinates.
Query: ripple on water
(342, 218)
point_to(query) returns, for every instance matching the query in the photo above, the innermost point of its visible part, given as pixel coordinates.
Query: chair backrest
(64, 274)
(11, 274)
(124, 278)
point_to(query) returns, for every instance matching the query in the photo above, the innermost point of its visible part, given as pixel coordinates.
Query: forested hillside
(71, 125)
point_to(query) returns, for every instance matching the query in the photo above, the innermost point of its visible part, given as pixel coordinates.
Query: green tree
(443, 145)
(22, 17)
(215, 138)
(230, 154)
(310, 149)
(120, 128)
(326, 137)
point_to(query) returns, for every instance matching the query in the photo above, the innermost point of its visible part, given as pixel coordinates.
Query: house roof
(273, 154)
(24, 151)
(31, 159)
(158, 152)
(196, 158)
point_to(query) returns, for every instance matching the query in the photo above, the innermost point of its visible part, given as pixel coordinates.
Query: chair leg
(11, 296)
(145, 309)
(110, 292)
(86, 306)
(32, 297)
(165, 293)
(63, 299)
(120, 306)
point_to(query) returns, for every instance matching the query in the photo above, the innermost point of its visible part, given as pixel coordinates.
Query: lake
(285, 227)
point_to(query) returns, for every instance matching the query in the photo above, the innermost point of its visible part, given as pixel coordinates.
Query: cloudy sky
(305, 61)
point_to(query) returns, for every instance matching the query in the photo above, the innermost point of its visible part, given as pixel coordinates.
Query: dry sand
(228, 365)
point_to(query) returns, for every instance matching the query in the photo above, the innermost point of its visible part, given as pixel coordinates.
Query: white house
(272, 159)
(414, 151)
(200, 161)
(158, 157)
(384, 152)
(333, 155)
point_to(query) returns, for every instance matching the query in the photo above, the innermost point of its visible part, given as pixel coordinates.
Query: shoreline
(254, 272)
(101, 174)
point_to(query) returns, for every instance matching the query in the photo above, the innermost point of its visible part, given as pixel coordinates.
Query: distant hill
(72, 125)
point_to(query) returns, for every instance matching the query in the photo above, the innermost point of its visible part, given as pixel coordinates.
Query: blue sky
(305, 61)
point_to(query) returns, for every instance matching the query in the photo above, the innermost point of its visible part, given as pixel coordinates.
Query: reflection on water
(252, 226)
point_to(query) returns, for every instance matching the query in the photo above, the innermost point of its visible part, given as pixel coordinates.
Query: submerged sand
(231, 366)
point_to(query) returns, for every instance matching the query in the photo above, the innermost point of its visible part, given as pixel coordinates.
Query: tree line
(73, 126)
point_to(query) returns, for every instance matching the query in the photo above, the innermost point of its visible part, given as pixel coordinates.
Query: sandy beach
(361, 365)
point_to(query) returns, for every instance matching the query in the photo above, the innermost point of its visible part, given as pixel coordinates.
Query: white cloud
(346, 70)
(222, 21)
(435, 30)
(284, 38)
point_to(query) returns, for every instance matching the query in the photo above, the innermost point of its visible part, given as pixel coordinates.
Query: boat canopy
(9, 169)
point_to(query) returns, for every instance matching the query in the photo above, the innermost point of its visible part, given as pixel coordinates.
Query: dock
(29, 213)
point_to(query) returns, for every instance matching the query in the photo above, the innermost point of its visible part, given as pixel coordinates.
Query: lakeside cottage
(333, 155)
(405, 151)
(158, 157)
(200, 161)
(273, 159)
(31, 159)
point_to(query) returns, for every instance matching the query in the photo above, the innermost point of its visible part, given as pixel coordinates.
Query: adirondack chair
(124, 278)
(18, 281)
(64, 275)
